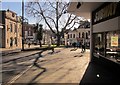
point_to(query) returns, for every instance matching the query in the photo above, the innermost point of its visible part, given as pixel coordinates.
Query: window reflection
(99, 44)
(107, 45)
(113, 45)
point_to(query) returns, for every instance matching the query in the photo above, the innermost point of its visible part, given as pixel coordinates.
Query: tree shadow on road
(38, 66)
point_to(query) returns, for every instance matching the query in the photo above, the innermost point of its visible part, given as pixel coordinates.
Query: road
(65, 65)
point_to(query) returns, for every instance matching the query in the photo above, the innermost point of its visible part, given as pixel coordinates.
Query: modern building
(11, 31)
(105, 30)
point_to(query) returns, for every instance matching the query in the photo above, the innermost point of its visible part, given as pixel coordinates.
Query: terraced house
(12, 30)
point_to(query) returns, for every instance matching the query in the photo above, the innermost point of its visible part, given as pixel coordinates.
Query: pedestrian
(29, 45)
(74, 44)
(77, 44)
(83, 47)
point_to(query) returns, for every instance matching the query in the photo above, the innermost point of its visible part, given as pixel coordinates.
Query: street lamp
(22, 24)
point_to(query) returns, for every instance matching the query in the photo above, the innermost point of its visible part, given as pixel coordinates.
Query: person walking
(29, 45)
(83, 46)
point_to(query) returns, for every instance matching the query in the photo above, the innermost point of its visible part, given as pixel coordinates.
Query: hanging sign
(105, 12)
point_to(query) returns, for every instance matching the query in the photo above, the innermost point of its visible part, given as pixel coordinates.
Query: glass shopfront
(107, 44)
(106, 31)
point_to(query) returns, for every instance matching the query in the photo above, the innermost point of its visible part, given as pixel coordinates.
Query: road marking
(18, 76)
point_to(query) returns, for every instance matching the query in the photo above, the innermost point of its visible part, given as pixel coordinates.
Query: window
(70, 35)
(107, 44)
(79, 35)
(88, 32)
(11, 27)
(73, 35)
(83, 35)
(29, 33)
(7, 27)
(99, 44)
(11, 42)
(13, 15)
(113, 45)
(16, 41)
(62, 36)
(7, 41)
(15, 25)
(86, 35)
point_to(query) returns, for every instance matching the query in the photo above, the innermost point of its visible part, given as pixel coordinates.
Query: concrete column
(0, 37)
(91, 39)
(65, 39)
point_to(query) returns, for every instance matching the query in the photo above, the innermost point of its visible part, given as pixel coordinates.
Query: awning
(84, 9)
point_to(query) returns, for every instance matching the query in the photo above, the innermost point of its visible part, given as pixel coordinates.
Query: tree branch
(45, 19)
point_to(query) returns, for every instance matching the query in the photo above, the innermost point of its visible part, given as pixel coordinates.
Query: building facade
(48, 38)
(12, 30)
(1, 27)
(29, 34)
(105, 31)
(78, 35)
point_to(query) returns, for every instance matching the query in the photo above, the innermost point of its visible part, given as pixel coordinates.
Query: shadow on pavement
(99, 75)
(73, 49)
(38, 66)
(54, 52)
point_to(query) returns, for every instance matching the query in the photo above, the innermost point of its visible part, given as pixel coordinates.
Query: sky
(17, 8)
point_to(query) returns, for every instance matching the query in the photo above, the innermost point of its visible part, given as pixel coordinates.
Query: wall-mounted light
(78, 5)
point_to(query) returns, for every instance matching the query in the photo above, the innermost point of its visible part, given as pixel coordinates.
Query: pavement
(66, 66)
(62, 66)
(6, 51)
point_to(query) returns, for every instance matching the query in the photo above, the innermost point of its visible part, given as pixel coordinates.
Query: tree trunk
(40, 43)
(58, 40)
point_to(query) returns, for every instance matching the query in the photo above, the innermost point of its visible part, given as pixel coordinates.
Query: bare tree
(54, 15)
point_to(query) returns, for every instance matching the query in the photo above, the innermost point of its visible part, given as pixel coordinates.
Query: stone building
(80, 34)
(29, 35)
(12, 30)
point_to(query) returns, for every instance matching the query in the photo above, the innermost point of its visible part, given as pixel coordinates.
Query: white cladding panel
(109, 25)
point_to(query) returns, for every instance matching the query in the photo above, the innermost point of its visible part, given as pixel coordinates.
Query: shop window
(107, 45)
(113, 45)
(99, 44)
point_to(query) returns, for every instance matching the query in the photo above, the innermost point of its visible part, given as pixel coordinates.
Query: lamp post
(22, 24)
